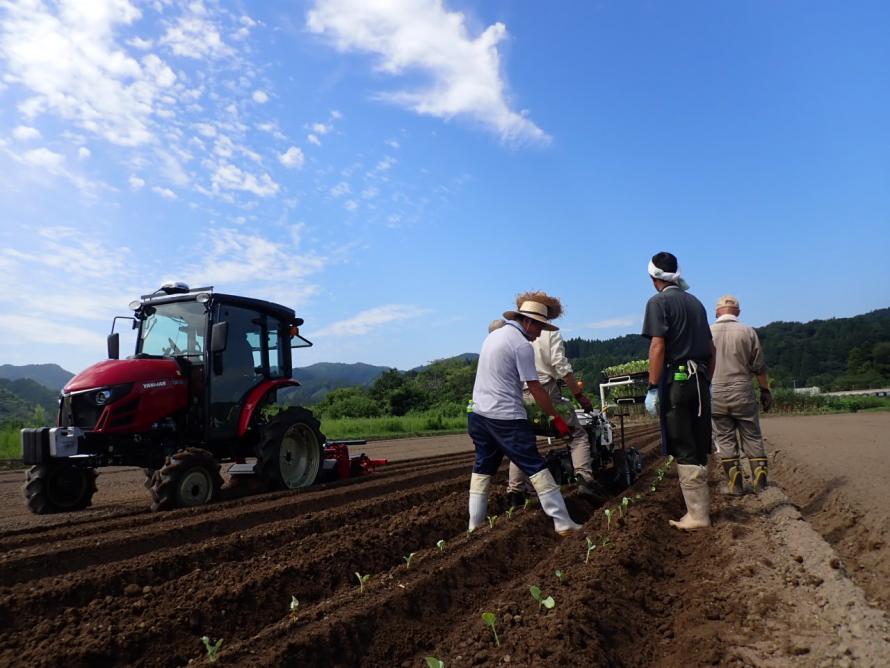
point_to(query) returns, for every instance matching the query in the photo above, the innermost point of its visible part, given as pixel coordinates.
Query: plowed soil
(118, 586)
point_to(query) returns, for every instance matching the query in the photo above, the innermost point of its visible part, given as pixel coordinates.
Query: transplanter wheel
(59, 487)
(188, 478)
(290, 450)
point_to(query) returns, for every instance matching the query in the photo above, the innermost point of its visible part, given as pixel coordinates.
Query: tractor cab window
(277, 349)
(175, 329)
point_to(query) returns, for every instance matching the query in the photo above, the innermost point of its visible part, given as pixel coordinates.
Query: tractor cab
(225, 346)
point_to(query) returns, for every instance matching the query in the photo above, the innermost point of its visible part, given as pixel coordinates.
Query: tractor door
(256, 350)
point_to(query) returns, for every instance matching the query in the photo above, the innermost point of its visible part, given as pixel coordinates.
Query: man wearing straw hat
(553, 366)
(733, 404)
(498, 424)
(681, 363)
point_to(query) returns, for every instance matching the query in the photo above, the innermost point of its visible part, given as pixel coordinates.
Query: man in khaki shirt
(552, 365)
(733, 404)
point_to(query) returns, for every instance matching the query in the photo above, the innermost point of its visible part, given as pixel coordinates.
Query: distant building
(882, 392)
(809, 391)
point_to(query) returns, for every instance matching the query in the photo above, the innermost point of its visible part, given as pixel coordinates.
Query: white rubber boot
(694, 485)
(553, 503)
(479, 485)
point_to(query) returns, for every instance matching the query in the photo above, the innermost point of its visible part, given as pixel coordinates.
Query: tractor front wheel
(290, 450)
(59, 487)
(188, 478)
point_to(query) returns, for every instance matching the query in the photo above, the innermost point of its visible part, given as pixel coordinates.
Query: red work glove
(561, 427)
(584, 402)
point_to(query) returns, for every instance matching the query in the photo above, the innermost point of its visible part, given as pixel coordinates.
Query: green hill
(49, 375)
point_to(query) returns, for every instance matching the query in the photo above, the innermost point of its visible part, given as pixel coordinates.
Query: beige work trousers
(735, 417)
(578, 446)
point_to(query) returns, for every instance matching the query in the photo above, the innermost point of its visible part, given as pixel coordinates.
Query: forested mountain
(50, 375)
(835, 354)
(23, 399)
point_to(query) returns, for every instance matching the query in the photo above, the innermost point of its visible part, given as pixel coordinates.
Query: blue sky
(398, 171)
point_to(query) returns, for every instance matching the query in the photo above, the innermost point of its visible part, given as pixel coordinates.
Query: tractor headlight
(106, 395)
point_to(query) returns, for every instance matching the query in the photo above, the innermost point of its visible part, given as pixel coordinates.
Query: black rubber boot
(759, 471)
(516, 499)
(736, 484)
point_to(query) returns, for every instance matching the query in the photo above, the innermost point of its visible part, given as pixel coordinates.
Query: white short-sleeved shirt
(505, 363)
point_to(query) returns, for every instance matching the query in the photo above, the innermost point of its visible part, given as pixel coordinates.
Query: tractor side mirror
(114, 346)
(218, 337)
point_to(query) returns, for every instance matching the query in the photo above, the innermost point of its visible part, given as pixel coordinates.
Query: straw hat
(535, 311)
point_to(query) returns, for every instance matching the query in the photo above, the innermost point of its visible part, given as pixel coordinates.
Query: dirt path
(127, 587)
(835, 468)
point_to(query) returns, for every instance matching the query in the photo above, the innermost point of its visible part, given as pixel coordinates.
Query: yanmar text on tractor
(199, 390)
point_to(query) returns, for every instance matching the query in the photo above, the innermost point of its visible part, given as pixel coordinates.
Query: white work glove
(651, 400)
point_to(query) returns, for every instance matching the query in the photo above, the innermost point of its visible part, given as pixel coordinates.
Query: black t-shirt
(683, 322)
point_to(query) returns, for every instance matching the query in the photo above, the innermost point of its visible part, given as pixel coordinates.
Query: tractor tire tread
(266, 467)
(162, 482)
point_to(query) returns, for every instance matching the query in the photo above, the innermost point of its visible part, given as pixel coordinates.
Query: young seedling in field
(638, 497)
(408, 559)
(212, 648)
(625, 502)
(606, 541)
(491, 520)
(509, 512)
(294, 605)
(525, 505)
(591, 546)
(433, 662)
(490, 618)
(362, 581)
(608, 512)
(548, 602)
(559, 575)
(441, 545)
(470, 532)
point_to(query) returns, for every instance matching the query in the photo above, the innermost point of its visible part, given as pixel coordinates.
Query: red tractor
(200, 389)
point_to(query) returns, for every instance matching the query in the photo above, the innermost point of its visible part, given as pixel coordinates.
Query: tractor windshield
(174, 329)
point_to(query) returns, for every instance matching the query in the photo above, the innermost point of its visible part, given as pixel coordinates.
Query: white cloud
(370, 192)
(135, 182)
(336, 115)
(79, 255)
(139, 43)
(340, 189)
(238, 256)
(229, 177)
(260, 97)
(392, 143)
(83, 153)
(321, 128)
(350, 205)
(49, 331)
(44, 158)
(293, 157)
(24, 132)
(195, 36)
(312, 139)
(166, 193)
(421, 35)
(365, 321)
(69, 62)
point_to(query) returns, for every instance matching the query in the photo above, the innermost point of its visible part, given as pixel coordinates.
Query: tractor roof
(179, 292)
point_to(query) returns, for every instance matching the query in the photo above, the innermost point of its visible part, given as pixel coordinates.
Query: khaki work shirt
(550, 357)
(739, 355)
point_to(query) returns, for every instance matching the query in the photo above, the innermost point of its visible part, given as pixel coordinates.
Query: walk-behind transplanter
(201, 389)
(614, 465)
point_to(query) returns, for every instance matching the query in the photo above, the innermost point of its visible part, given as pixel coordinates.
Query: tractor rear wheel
(59, 487)
(290, 450)
(188, 478)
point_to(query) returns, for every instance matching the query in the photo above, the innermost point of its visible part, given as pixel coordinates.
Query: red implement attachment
(336, 457)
